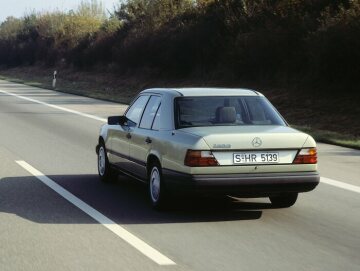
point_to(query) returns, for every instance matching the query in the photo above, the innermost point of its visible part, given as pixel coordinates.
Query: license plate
(256, 158)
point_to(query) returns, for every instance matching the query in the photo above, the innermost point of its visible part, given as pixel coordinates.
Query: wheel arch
(151, 159)
(100, 140)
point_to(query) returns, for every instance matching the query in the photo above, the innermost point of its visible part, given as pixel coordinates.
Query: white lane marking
(342, 185)
(55, 106)
(128, 237)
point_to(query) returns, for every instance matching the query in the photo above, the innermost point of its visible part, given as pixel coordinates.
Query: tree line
(283, 42)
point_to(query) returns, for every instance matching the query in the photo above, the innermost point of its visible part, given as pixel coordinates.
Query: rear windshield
(225, 111)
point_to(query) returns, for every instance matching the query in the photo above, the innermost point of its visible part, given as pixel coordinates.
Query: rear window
(225, 111)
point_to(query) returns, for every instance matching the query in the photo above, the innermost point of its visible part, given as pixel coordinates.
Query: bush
(48, 37)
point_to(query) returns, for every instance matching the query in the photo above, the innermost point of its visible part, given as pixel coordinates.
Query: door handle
(148, 140)
(128, 135)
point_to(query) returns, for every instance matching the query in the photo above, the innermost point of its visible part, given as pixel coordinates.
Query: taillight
(200, 159)
(306, 156)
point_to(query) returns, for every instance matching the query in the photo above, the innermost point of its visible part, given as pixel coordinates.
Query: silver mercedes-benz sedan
(208, 141)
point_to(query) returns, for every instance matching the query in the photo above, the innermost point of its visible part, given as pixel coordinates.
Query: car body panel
(309, 143)
(187, 92)
(118, 146)
(138, 150)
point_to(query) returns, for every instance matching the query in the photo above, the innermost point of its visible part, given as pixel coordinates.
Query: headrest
(226, 114)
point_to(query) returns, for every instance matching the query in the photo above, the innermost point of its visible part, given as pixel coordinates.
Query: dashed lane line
(128, 237)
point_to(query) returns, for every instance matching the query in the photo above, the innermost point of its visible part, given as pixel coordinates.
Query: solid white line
(128, 237)
(55, 106)
(342, 185)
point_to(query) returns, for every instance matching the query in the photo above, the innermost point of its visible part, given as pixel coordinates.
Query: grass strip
(331, 137)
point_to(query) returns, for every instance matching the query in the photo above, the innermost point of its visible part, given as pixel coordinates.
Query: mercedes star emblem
(256, 142)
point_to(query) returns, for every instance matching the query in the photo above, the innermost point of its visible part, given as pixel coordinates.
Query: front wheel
(284, 201)
(106, 173)
(156, 187)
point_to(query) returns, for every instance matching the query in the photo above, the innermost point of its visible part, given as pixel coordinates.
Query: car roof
(204, 91)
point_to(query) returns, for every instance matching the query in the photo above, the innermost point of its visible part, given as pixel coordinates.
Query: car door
(142, 137)
(121, 134)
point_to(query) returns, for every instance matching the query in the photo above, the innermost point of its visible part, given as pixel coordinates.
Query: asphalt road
(41, 230)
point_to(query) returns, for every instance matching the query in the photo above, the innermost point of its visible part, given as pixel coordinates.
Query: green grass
(331, 137)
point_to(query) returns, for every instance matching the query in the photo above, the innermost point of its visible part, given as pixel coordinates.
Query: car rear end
(251, 151)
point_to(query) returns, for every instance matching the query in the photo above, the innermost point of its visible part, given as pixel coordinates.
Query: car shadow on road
(125, 202)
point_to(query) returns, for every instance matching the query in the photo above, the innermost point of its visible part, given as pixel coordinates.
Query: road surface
(56, 215)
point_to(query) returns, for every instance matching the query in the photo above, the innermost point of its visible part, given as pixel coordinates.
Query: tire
(157, 191)
(284, 201)
(106, 173)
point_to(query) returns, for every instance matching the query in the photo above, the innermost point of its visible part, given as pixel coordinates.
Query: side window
(150, 112)
(156, 124)
(134, 112)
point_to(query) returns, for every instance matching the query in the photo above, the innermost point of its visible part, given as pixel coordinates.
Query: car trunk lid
(250, 137)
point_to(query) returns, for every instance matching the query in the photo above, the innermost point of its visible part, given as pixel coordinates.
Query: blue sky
(18, 8)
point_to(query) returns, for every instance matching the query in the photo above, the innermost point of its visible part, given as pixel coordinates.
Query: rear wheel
(283, 201)
(106, 173)
(157, 190)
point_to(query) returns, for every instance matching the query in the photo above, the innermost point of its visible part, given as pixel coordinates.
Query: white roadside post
(54, 80)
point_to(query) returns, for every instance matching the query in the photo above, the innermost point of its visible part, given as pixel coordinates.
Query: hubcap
(101, 161)
(155, 184)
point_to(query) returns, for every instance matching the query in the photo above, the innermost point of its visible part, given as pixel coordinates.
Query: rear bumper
(252, 185)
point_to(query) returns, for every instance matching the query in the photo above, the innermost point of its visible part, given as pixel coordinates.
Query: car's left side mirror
(115, 120)
(118, 120)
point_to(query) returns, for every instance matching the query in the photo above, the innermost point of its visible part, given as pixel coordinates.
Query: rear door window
(150, 112)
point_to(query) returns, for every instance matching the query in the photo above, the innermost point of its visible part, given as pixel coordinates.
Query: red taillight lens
(306, 156)
(200, 159)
